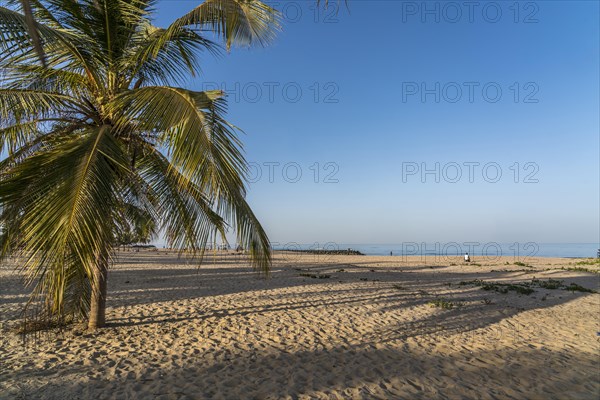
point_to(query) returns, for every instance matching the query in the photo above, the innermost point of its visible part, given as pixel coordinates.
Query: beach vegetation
(526, 288)
(316, 276)
(444, 304)
(522, 264)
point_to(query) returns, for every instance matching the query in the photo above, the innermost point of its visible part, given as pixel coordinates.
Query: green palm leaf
(51, 203)
(238, 22)
(97, 149)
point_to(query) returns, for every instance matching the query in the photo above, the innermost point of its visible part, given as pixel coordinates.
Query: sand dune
(368, 331)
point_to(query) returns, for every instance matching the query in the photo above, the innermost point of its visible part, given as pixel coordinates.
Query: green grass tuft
(582, 269)
(522, 264)
(573, 287)
(549, 284)
(526, 288)
(443, 304)
(316, 276)
(589, 261)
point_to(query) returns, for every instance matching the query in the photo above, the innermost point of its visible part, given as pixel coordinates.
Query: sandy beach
(321, 327)
(316, 148)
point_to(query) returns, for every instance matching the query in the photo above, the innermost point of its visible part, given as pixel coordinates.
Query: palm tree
(95, 128)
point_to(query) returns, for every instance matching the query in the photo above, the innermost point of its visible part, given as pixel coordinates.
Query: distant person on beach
(467, 258)
(390, 253)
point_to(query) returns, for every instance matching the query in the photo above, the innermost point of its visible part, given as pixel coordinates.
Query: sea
(450, 249)
(490, 250)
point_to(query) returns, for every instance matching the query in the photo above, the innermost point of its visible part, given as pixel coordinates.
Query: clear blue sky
(373, 61)
(364, 118)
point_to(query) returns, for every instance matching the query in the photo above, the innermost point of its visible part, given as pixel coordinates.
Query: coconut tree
(99, 132)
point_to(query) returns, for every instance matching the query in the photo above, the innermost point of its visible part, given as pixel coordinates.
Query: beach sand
(368, 331)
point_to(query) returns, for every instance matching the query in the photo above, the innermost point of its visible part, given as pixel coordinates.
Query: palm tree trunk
(97, 317)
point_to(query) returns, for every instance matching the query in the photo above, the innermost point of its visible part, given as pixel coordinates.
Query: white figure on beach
(467, 259)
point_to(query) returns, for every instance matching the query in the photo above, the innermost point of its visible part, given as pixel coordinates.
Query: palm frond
(61, 219)
(29, 107)
(186, 117)
(187, 217)
(159, 56)
(238, 22)
(17, 45)
(33, 33)
(204, 149)
(96, 148)
(17, 135)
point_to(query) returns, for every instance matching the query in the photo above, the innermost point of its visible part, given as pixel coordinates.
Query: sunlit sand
(369, 330)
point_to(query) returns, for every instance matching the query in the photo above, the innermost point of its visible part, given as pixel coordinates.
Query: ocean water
(450, 249)
(488, 250)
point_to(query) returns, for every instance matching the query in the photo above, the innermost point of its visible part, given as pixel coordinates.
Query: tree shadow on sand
(366, 372)
(439, 354)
